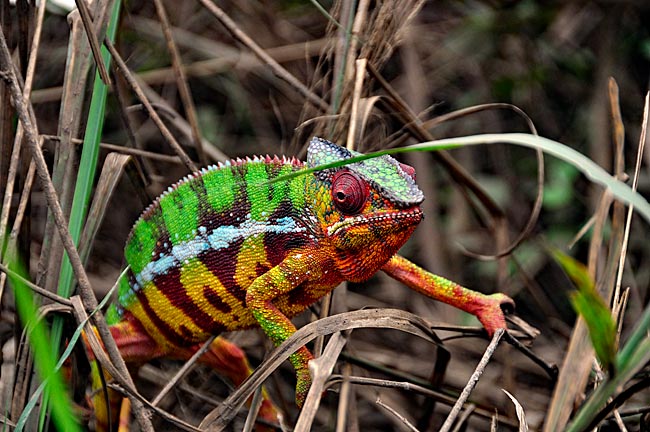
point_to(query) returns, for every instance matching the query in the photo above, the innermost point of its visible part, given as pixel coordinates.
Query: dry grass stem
(181, 81)
(320, 370)
(521, 415)
(281, 72)
(344, 398)
(87, 21)
(356, 97)
(123, 68)
(397, 415)
(41, 291)
(635, 183)
(180, 123)
(463, 417)
(473, 380)
(183, 370)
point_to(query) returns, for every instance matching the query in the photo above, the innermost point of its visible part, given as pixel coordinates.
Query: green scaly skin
(226, 250)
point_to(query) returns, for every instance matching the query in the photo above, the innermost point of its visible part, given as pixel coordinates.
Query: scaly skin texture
(226, 250)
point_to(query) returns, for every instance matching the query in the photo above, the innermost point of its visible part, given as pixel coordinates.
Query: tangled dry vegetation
(196, 82)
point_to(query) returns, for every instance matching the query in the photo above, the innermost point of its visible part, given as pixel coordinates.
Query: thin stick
(360, 19)
(122, 149)
(399, 416)
(182, 371)
(280, 71)
(87, 21)
(463, 417)
(473, 380)
(124, 69)
(344, 399)
(320, 369)
(42, 291)
(20, 214)
(181, 80)
(256, 403)
(358, 88)
(410, 387)
(630, 210)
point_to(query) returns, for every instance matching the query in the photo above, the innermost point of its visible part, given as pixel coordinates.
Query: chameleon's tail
(104, 401)
(136, 348)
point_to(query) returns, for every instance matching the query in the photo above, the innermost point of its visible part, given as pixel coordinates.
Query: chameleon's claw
(506, 303)
(493, 310)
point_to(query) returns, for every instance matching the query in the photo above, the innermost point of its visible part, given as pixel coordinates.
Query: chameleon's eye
(349, 192)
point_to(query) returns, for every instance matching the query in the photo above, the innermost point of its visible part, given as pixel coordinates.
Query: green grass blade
(589, 168)
(61, 406)
(89, 155)
(630, 360)
(85, 180)
(593, 309)
(22, 420)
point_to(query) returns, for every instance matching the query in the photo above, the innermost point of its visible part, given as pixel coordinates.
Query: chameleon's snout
(389, 221)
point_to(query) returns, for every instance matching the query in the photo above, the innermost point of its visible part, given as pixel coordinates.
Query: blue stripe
(220, 238)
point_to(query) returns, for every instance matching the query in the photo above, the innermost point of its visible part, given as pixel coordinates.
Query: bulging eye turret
(349, 192)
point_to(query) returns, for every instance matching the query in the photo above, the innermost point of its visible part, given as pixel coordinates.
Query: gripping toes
(492, 310)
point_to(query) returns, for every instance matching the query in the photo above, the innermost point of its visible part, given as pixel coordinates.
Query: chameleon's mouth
(401, 217)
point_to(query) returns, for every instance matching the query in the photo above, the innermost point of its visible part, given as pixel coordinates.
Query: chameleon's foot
(269, 412)
(491, 311)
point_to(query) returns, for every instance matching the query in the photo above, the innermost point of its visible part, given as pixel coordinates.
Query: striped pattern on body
(196, 249)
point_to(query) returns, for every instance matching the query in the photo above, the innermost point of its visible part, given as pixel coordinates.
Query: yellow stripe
(138, 311)
(173, 316)
(194, 276)
(251, 254)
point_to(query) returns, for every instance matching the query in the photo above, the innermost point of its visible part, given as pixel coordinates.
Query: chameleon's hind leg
(229, 360)
(137, 347)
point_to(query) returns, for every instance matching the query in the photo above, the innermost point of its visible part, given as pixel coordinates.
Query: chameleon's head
(367, 209)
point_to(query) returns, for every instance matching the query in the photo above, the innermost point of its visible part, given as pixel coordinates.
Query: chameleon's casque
(229, 248)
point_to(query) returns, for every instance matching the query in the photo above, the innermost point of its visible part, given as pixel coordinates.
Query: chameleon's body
(226, 249)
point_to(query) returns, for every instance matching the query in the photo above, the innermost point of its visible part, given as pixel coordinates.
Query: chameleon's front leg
(488, 309)
(279, 280)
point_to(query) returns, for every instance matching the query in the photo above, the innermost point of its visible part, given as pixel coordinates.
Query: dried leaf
(521, 415)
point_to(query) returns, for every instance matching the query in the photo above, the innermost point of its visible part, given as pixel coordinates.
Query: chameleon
(227, 249)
